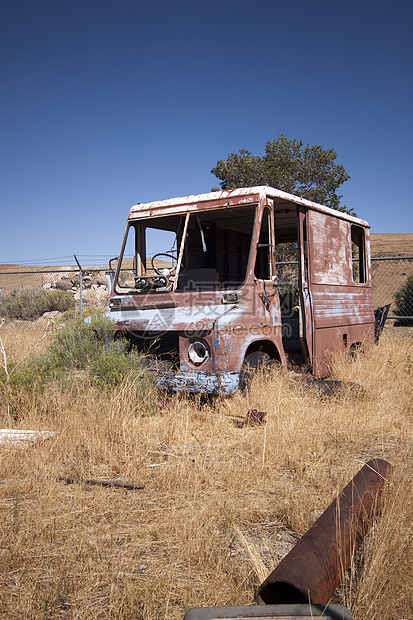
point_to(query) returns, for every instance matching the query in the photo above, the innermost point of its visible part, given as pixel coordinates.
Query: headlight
(115, 303)
(198, 353)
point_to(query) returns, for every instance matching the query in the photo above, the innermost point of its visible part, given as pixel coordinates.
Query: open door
(264, 270)
(306, 325)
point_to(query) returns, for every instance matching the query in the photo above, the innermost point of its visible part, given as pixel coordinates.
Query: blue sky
(106, 104)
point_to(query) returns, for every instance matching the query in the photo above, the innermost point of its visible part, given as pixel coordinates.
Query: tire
(252, 361)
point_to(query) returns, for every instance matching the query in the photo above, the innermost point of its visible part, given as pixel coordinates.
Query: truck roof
(226, 198)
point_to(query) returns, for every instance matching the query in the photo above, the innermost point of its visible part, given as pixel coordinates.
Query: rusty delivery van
(213, 285)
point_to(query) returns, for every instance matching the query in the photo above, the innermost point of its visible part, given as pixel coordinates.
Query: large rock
(63, 285)
(51, 314)
(100, 281)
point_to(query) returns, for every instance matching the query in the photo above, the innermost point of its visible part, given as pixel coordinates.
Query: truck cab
(213, 284)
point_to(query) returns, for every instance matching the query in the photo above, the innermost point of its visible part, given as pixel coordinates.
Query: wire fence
(392, 284)
(89, 287)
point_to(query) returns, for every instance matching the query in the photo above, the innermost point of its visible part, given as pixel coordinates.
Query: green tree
(288, 165)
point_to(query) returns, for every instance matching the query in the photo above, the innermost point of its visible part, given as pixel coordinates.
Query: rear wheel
(252, 361)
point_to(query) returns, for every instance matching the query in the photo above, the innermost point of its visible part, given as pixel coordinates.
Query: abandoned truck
(213, 285)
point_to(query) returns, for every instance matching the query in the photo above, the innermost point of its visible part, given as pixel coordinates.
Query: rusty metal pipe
(105, 483)
(311, 571)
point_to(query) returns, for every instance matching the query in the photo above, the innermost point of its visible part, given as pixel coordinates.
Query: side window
(358, 253)
(263, 267)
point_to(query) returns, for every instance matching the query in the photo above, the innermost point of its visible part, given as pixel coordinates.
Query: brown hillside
(382, 244)
(20, 276)
(391, 244)
(388, 276)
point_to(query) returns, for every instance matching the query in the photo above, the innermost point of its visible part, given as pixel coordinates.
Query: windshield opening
(202, 251)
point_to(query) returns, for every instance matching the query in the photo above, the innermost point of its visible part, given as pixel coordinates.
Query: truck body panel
(203, 281)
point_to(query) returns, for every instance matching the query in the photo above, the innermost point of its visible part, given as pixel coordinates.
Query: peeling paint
(200, 382)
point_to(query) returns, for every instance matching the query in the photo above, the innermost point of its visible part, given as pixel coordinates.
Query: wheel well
(266, 346)
(356, 349)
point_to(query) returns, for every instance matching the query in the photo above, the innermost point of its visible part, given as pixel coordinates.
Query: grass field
(222, 504)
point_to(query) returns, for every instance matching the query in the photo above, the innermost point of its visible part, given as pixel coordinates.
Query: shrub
(404, 302)
(75, 347)
(113, 365)
(34, 373)
(79, 349)
(62, 301)
(90, 347)
(31, 303)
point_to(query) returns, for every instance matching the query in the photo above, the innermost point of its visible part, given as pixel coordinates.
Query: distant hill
(382, 244)
(391, 244)
(387, 276)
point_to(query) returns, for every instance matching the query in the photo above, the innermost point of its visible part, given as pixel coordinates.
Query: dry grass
(24, 338)
(221, 504)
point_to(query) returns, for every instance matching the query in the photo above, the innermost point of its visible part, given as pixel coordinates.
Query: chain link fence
(89, 287)
(392, 282)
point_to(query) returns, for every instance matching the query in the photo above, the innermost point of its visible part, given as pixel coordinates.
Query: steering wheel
(167, 271)
(164, 271)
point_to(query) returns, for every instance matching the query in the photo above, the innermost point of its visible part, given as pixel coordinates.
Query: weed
(31, 303)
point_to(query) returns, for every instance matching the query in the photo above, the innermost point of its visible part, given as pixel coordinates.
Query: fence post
(80, 286)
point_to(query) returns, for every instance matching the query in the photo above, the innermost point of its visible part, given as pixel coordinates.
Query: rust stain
(253, 273)
(314, 567)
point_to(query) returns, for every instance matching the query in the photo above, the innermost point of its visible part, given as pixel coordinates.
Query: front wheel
(252, 362)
